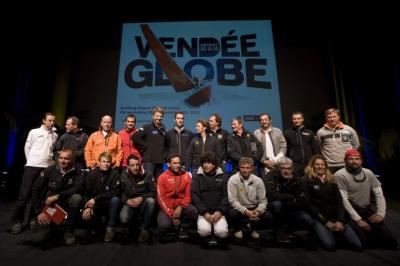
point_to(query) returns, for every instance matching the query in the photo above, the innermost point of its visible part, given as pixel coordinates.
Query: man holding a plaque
(56, 199)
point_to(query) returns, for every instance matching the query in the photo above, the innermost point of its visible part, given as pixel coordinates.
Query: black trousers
(28, 179)
(378, 236)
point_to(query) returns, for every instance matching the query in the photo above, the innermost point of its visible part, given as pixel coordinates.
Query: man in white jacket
(39, 148)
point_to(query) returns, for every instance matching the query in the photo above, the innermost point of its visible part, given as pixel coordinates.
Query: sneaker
(69, 238)
(16, 228)
(109, 235)
(238, 234)
(255, 235)
(144, 235)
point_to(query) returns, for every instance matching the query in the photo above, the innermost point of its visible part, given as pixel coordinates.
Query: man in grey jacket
(248, 201)
(335, 138)
(356, 185)
(273, 143)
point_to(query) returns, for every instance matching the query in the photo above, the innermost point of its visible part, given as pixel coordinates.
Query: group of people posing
(282, 181)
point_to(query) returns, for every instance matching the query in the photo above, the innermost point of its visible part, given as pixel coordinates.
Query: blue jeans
(155, 168)
(295, 219)
(327, 237)
(146, 210)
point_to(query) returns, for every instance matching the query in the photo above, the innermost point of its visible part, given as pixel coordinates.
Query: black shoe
(32, 224)
(223, 243)
(183, 234)
(69, 238)
(16, 228)
(144, 235)
(283, 237)
(256, 245)
(168, 236)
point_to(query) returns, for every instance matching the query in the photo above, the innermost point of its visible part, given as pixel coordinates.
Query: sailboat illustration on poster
(199, 92)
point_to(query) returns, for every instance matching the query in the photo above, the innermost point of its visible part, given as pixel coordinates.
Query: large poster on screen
(199, 68)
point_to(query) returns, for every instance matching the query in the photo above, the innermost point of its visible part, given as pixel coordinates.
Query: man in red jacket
(173, 196)
(128, 146)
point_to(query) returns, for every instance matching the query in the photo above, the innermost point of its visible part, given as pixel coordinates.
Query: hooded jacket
(209, 192)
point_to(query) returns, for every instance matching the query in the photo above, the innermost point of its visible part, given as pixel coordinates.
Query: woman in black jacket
(326, 206)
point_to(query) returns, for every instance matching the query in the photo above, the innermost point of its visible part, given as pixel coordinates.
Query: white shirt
(39, 147)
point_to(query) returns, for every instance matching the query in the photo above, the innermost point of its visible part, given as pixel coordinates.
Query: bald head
(106, 123)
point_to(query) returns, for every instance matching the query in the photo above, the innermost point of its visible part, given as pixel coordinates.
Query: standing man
(356, 185)
(301, 144)
(150, 140)
(74, 138)
(128, 146)
(242, 143)
(104, 140)
(39, 148)
(335, 138)
(273, 143)
(221, 135)
(178, 138)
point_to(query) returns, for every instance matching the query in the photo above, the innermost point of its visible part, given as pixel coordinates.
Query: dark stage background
(67, 63)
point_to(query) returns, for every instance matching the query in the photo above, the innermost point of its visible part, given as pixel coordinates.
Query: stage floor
(13, 251)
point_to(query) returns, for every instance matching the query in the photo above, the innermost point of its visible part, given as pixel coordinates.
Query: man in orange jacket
(104, 140)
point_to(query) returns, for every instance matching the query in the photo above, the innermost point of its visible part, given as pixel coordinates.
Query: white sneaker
(238, 234)
(255, 235)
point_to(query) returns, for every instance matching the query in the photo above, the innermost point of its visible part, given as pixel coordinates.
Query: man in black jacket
(150, 140)
(138, 195)
(58, 184)
(210, 197)
(221, 135)
(287, 201)
(301, 143)
(178, 139)
(101, 196)
(73, 138)
(242, 143)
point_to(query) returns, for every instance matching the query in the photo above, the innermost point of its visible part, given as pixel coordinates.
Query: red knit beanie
(353, 153)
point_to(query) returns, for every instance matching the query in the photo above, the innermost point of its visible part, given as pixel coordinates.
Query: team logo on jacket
(345, 137)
